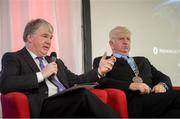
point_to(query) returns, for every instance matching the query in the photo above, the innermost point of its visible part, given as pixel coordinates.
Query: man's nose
(48, 41)
(126, 41)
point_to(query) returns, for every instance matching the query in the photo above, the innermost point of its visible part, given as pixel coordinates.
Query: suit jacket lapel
(139, 62)
(30, 60)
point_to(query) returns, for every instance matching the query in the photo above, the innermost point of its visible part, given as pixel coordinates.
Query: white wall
(155, 27)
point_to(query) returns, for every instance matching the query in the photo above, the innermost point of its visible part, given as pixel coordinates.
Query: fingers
(158, 89)
(145, 90)
(106, 65)
(110, 62)
(104, 55)
(49, 69)
(142, 87)
(152, 90)
(155, 89)
(113, 59)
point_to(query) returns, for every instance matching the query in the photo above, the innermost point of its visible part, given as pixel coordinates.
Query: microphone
(53, 56)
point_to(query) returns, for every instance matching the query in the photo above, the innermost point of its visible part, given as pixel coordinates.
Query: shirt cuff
(40, 77)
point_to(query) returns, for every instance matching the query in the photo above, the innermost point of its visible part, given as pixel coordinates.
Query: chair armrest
(116, 98)
(101, 94)
(15, 105)
(176, 88)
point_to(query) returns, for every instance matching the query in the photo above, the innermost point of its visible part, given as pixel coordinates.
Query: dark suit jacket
(19, 74)
(121, 75)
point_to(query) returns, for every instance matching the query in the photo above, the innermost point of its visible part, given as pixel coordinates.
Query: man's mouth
(46, 48)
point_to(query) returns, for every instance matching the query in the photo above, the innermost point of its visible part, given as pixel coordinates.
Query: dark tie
(58, 84)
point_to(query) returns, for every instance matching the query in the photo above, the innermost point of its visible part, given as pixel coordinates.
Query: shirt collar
(34, 56)
(118, 55)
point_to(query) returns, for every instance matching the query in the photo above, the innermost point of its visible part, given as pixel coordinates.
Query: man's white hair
(119, 29)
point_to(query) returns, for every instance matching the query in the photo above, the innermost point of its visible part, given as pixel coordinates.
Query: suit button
(46, 92)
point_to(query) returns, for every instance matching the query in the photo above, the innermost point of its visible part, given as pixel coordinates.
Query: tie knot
(40, 58)
(125, 57)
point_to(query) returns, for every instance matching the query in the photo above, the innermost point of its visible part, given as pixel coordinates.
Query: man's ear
(29, 38)
(111, 43)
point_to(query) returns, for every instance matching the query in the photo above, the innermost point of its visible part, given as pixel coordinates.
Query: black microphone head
(53, 56)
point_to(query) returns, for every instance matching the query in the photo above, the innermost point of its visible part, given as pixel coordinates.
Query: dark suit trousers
(77, 103)
(155, 105)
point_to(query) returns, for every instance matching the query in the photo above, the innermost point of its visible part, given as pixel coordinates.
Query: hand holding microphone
(51, 68)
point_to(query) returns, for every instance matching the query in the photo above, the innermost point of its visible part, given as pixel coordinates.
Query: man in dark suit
(149, 91)
(32, 72)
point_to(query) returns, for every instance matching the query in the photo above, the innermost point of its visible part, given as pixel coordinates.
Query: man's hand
(106, 65)
(49, 69)
(159, 88)
(142, 87)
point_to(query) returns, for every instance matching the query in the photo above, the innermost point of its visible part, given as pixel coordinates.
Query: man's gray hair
(33, 25)
(119, 29)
